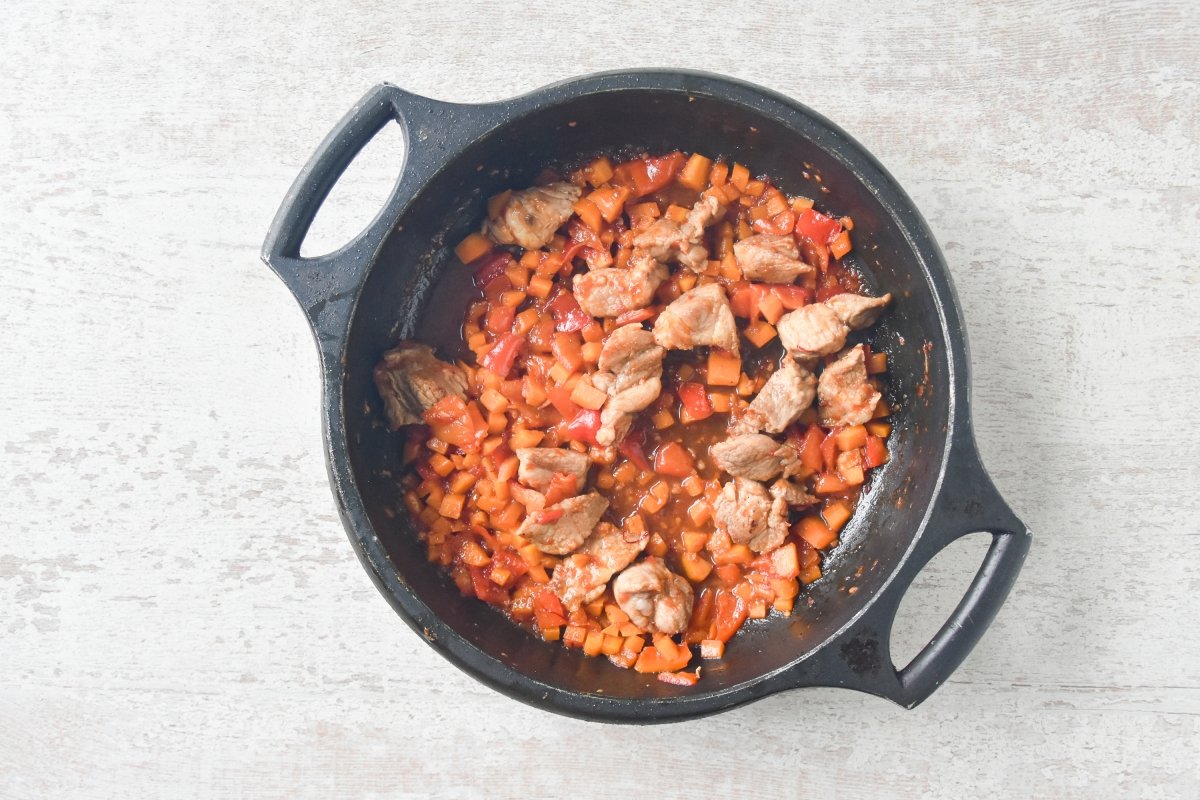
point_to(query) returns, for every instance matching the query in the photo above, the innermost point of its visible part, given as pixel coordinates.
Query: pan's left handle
(317, 282)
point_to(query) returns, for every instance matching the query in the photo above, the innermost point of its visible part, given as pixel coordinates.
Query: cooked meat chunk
(784, 397)
(791, 494)
(667, 240)
(700, 316)
(844, 396)
(582, 577)
(754, 456)
(812, 331)
(631, 375)
(530, 217)
(857, 312)
(612, 292)
(742, 510)
(538, 465)
(770, 258)
(410, 379)
(561, 528)
(656, 599)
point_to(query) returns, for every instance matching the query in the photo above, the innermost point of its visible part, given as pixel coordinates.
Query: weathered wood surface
(180, 613)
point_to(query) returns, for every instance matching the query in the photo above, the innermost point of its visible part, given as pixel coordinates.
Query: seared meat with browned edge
(582, 577)
(656, 599)
(410, 379)
(700, 316)
(530, 217)
(537, 465)
(754, 456)
(844, 395)
(770, 258)
(784, 397)
(612, 292)
(561, 528)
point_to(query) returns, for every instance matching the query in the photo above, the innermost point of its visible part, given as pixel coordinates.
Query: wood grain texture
(180, 612)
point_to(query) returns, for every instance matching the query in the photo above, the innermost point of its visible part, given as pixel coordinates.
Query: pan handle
(325, 285)
(860, 658)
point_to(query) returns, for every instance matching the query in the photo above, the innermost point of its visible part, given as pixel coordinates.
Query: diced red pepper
(568, 316)
(560, 398)
(485, 589)
(633, 448)
(648, 175)
(743, 299)
(695, 399)
(457, 422)
(730, 614)
(490, 266)
(818, 227)
(562, 485)
(548, 610)
(790, 295)
(637, 315)
(781, 223)
(811, 454)
(500, 318)
(499, 359)
(511, 562)
(496, 287)
(829, 451)
(584, 426)
(875, 454)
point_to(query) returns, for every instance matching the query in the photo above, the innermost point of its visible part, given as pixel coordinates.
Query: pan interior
(417, 289)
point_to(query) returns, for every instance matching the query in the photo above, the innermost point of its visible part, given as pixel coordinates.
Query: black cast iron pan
(398, 279)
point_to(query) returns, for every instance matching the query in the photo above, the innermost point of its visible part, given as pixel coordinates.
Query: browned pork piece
(784, 397)
(561, 528)
(613, 291)
(700, 316)
(537, 465)
(844, 395)
(770, 258)
(530, 217)
(667, 240)
(583, 576)
(811, 332)
(656, 599)
(754, 456)
(410, 379)
(856, 311)
(630, 374)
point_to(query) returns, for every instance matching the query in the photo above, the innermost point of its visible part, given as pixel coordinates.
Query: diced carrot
(676, 213)
(662, 419)
(666, 647)
(593, 643)
(674, 460)
(694, 541)
(552, 634)
(759, 332)
(851, 438)
(523, 437)
(599, 171)
(877, 363)
(694, 486)
(474, 246)
(724, 368)
(841, 245)
(610, 200)
(771, 307)
(712, 648)
(718, 174)
(815, 532)
(836, 514)
(881, 410)
(540, 286)
(591, 351)
(830, 483)
(695, 566)
(801, 204)
(880, 429)
(694, 174)
(721, 402)
(738, 554)
(587, 396)
(575, 636)
(739, 177)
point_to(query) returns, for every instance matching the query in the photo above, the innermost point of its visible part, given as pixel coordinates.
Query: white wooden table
(180, 612)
